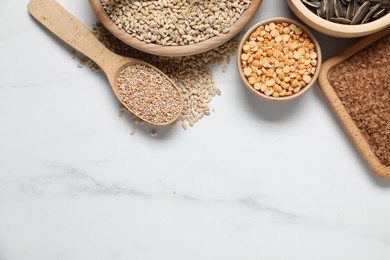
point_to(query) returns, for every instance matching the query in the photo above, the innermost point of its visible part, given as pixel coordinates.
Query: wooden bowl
(279, 20)
(336, 29)
(174, 50)
(348, 123)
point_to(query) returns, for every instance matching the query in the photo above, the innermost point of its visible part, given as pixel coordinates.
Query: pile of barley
(149, 94)
(191, 74)
(175, 22)
(363, 85)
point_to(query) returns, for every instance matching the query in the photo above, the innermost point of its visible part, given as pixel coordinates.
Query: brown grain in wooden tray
(362, 83)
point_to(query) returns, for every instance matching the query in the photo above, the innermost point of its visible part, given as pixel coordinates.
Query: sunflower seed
(322, 9)
(351, 10)
(356, 11)
(340, 9)
(341, 20)
(379, 14)
(383, 3)
(370, 13)
(361, 13)
(329, 9)
(315, 4)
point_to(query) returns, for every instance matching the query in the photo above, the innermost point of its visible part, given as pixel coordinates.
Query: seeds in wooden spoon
(191, 74)
(149, 94)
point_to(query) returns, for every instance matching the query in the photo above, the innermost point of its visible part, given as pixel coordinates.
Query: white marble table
(255, 180)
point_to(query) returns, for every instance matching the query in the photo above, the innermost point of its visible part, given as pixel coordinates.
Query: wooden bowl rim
(275, 20)
(173, 51)
(335, 103)
(336, 29)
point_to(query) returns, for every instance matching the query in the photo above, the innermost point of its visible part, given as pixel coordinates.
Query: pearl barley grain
(175, 22)
(149, 94)
(280, 56)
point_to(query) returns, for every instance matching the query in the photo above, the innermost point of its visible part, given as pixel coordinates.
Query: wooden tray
(337, 106)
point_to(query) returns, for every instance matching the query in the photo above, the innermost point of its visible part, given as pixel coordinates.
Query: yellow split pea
(279, 59)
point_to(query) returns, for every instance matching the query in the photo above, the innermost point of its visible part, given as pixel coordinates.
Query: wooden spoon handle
(68, 28)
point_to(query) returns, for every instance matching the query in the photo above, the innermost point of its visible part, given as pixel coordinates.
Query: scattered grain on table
(224, 69)
(192, 74)
(184, 125)
(74, 54)
(153, 132)
(122, 112)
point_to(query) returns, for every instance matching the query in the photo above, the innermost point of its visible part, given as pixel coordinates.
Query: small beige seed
(274, 33)
(286, 69)
(269, 91)
(297, 55)
(270, 82)
(298, 31)
(281, 75)
(252, 80)
(265, 63)
(224, 69)
(306, 78)
(246, 47)
(263, 87)
(247, 71)
(295, 83)
(122, 112)
(277, 88)
(252, 44)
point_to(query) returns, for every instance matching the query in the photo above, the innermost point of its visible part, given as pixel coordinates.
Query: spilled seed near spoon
(142, 88)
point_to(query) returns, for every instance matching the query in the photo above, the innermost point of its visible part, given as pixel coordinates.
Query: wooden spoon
(64, 25)
(174, 50)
